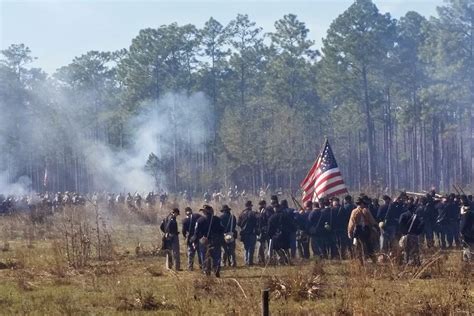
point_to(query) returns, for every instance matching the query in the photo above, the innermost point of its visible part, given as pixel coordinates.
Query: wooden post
(265, 300)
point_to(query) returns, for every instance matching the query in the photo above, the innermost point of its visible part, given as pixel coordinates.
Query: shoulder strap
(167, 223)
(190, 222)
(413, 217)
(388, 210)
(210, 224)
(320, 217)
(229, 223)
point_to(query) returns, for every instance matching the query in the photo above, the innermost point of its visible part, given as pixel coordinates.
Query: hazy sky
(57, 31)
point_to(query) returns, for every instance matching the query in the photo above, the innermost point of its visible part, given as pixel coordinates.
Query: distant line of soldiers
(326, 229)
(39, 201)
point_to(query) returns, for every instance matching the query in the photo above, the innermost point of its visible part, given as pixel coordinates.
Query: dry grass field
(89, 261)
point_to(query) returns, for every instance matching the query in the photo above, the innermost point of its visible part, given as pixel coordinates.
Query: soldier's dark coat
(280, 225)
(188, 226)
(216, 231)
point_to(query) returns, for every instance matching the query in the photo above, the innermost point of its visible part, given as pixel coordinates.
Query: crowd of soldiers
(233, 194)
(328, 229)
(52, 202)
(162, 199)
(134, 201)
(277, 233)
(39, 201)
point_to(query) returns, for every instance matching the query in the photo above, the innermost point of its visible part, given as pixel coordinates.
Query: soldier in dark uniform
(388, 216)
(279, 228)
(189, 224)
(442, 221)
(429, 219)
(328, 238)
(373, 207)
(169, 227)
(3, 208)
(291, 215)
(340, 218)
(302, 236)
(411, 227)
(229, 223)
(467, 230)
(343, 242)
(163, 199)
(210, 235)
(150, 200)
(248, 227)
(316, 229)
(264, 214)
(453, 215)
(420, 211)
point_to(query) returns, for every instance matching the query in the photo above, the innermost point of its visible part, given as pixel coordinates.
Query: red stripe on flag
(323, 184)
(326, 176)
(338, 192)
(320, 190)
(310, 177)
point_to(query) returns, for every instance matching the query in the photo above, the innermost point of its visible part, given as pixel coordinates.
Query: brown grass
(131, 278)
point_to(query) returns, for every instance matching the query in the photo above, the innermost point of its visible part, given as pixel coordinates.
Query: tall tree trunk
(359, 147)
(370, 129)
(436, 177)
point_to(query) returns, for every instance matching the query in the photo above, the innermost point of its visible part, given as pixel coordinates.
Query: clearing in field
(86, 261)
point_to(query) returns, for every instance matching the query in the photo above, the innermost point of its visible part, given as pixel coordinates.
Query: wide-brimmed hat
(225, 208)
(360, 200)
(274, 200)
(206, 208)
(248, 204)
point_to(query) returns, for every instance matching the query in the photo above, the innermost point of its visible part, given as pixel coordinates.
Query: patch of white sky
(57, 31)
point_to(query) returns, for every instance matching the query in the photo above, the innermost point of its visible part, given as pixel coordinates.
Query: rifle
(462, 191)
(436, 194)
(456, 189)
(415, 193)
(268, 187)
(297, 204)
(270, 248)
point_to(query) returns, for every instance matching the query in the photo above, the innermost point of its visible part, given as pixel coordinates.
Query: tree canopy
(235, 105)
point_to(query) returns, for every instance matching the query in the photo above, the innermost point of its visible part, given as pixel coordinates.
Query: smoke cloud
(20, 187)
(160, 124)
(172, 117)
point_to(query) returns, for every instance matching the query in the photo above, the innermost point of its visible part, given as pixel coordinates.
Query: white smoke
(175, 116)
(20, 187)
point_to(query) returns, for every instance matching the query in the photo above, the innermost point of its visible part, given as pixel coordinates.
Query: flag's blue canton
(328, 161)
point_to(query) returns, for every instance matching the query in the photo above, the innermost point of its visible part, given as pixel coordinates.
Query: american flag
(324, 179)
